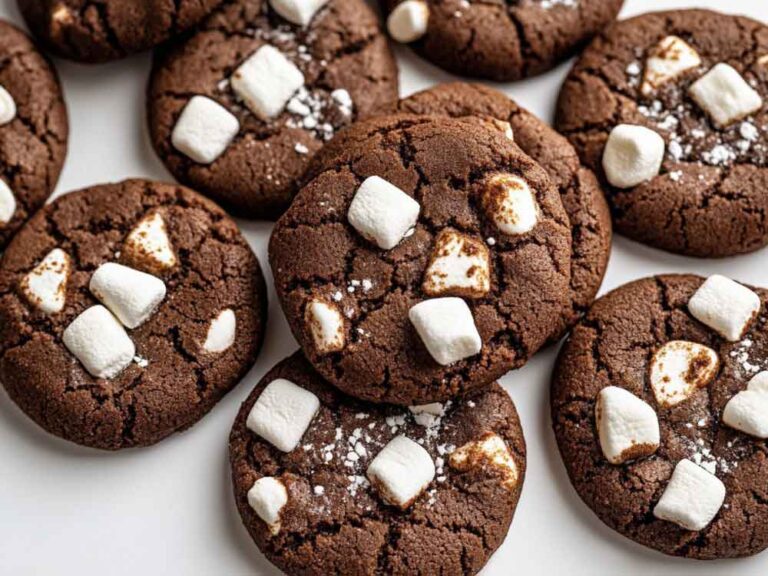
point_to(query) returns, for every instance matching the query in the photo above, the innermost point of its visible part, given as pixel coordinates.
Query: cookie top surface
(486, 236)
(500, 40)
(618, 347)
(702, 194)
(335, 521)
(191, 285)
(33, 130)
(283, 104)
(94, 31)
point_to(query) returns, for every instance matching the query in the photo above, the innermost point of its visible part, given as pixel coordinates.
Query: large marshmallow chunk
(298, 12)
(666, 61)
(679, 368)
(408, 22)
(221, 332)
(692, 498)
(266, 81)
(100, 342)
(447, 328)
(747, 411)
(268, 497)
(459, 266)
(148, 244)
(204, 130)
(628, 428)
(510, 204)
(130, 295)
(725, 96)
(282, 414)
(45, 286)
(401, 471)
(725, 306)
(382, 213)
(489, 450)
(7, 203)
(632, 155)
(326, 324)
(7, 106)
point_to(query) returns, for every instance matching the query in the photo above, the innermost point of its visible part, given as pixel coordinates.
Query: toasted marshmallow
(7, 106)
(628, 428)
(267, 497)
(447, 328)
(632, 155)
(459, 266)
(299, 12)
(148, 246)
(747, 411)
(130, 295)
(382, 213)
(401, 471)
(692, 498)
(204, 130)
(489, 450)
(326, 324)
(45, 286)
(679, 368)
(510, 204)
(7, 203)
(409, 21)
(725, 306)
(725, 96)
(221, 332)
(669, 59)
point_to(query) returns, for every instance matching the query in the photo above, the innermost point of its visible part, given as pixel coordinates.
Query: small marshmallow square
(130, 295)
(401, 472)
(490, 450)
(679, 368)
(447, 328)
(282, 414)
(409, 21)
(299, 12)
(725, 306)
(725, 96)
(7, 203)
(266, 81)
(45, 286)
(632, 155)
(204, 130)
(267, 497)
(669, 59)
(148, 246)
(459, 266)
(628, 428)
(510, 204)
(692, 498)
(221, 332)
(747, 411)
(326, 324)
(7, 106)
(382, 213)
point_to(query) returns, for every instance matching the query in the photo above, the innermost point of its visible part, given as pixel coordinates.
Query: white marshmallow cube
(298, 12)
(204, 130)
(409, 21)
(283, 413)
(459, 266)
(7, 106)
(98, 340)
(679, 368)
(427, 414)
(725, 306)
(632, 155)
(148, 244)
(45, 286)
(692, 498)
(628, 428)
(266, 81)
(130, 295)
(268, 496)
(490, 450)
(747, 411)
(401, 471)
(382, 213)
(667, 60)
(447, 328)
(221, 332)
(7, 203)
(725, 96)
(510, 204)
(326, 324)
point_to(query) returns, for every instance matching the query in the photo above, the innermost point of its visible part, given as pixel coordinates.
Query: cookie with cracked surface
(94, 31)
(33, 130)
(640, 402)
(239, 109)
(422, 219)
(694, 165)
(126, 312)
(329, 518)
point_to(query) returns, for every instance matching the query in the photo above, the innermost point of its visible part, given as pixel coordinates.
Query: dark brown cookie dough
(95, 31)
(342, 49)
(33, 144)
(613, 346)
(445, 164)
(173, 380)
(336, 523)
(708, 199)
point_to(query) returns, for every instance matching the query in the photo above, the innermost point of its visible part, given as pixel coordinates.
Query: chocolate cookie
(95, 31)
(239, 109)
(501, 40)
(660, 409)
(669, 109)
(126, 312)
(33, 130)
(329, 485)
(432, 258)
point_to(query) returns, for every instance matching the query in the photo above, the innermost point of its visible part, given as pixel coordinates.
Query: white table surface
(169, 509)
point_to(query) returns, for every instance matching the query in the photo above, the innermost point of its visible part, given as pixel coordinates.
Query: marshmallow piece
(45, 286)
(282, 414)
(130, 295)
(692, 498)
(679, 368)
(459, 266)
(427, 414)
(632, 155)
(148, 244)
(7, 106)
(221, 332)
(747, 411)
(401, 471)
(268, 497)
(409, 21)
(666, 61)
(298, 12)
(7, 203)
(725, 306)
(326, 324)
(510, 204)
(100, 342)
(382, 213)
(266, 81)
(725, 96)
(628, 428)
(447, 328)
(204, 130)
(489, 450)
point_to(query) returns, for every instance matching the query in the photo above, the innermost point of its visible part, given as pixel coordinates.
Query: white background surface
(169, 509)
